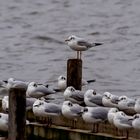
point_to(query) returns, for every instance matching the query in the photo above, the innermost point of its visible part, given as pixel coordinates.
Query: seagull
(5, 103)
(72, 111)
(95, 115)
(36, 91)
(44, 109)
(29, 103)
(79, 44)
(73, 95)
(3, 122)
(111, 114)
(123, 121)
(110, 100)
(13, 83)
(62, 82)
(136, 122)
(137, 105)
(91, 98)
(127, 104)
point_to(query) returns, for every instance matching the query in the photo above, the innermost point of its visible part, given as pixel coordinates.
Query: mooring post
(17, 114)
(74, 73)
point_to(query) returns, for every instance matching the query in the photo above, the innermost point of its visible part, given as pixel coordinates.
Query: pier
(61, 128)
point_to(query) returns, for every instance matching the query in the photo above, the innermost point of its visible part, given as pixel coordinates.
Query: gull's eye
(69, 104)
(35, 85)
(63, 78)
(94, 92)
(72, 38)
(122, 114)
(72, 89)
(85, 110)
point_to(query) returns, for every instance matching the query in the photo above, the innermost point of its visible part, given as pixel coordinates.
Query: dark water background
(32, 34)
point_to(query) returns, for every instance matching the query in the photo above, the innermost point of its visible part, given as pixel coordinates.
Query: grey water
(32, 47)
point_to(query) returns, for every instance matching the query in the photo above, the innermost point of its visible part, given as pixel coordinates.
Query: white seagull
(95, 115)
(72, 111)
(13, 83)
(44, 109)
(5, 103)
(73, 95)
(3, 122)
(36, 91)
(123, 121)
(4, 118)
(127, 104)
(79, 44)
(91, 98)
(111, 114)
(136, 122)
(110, 100)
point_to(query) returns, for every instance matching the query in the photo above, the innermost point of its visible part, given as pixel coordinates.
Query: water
(32, 35)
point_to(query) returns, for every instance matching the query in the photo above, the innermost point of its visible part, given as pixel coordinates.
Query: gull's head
(120, 114)
(32, 84)
(38, 103)
(10, 80)
(68, 103)
(70, 88)
(113, 110)
(61, 77)
(62, 82)
(71, 38)
(122, 98)
(69, 91)
(136, 116)
(90, 92)
(107, 95)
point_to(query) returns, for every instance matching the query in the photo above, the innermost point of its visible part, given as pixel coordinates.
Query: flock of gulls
(94, 108)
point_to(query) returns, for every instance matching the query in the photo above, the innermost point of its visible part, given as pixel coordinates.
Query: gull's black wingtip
(98, 44)
(91, 81)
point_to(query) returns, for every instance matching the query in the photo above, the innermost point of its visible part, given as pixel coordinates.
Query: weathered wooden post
(74, 73)
(17, 114)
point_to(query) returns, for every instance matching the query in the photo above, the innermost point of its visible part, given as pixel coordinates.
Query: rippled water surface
(32, 34)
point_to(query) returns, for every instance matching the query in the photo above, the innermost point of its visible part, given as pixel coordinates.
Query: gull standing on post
(79, 44)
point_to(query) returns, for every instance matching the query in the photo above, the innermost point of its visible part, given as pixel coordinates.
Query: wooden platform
(82, 129)
(61, 130)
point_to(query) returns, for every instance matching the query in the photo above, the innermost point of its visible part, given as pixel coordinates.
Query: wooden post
(17, 114)
(74, 73)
